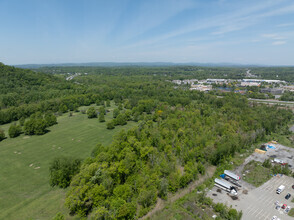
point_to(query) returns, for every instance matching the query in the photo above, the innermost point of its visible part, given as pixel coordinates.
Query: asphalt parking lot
(259, 203)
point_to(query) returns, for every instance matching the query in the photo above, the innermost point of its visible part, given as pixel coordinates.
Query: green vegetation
(287, 96)
(179, 133)
(38, 124)
(25, 190)
(91, 112)
(256, 174)
(196, 206)
(144, 163)
(291, 212)
(2, 135)
(14, 131)
(62, 169)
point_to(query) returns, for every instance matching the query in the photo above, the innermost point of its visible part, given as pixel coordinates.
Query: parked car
(292, 186)
(284, 206)
(288, 196)
(287, 209)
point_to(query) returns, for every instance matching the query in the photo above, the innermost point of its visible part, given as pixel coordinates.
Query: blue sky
(234, 31)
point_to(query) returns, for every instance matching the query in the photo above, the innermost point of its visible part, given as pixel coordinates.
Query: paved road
(273, 101)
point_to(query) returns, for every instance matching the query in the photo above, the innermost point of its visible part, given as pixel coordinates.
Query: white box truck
(280, 189)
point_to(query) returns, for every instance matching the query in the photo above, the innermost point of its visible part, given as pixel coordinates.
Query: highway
(272, 101)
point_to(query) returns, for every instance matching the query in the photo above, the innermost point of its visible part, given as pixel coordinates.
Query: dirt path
(161, 203)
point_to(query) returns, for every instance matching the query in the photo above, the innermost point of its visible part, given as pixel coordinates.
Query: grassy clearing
(256, 174)
(291, 212)
(24, 187)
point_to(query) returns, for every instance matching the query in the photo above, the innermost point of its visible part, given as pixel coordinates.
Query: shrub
(110, 125)
(91, 112)
(14, 131)
(50, 119)
(2, 135)
(59, 216)
(101, 117)
(62, 170)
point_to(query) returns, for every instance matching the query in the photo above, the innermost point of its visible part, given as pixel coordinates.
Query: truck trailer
(232, 175)
(225, 186)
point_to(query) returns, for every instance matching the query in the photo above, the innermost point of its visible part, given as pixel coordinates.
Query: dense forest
(179, 133)
(169, 149)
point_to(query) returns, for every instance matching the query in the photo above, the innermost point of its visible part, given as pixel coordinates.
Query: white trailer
(232, 175)
(225, 186)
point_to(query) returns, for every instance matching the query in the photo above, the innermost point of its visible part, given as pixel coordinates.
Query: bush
(50, 119)
(110, 125)
(101, 117)
(59, 216)
(267, 163)
(14, 131)
(121, 119)
(2, 135)
(115, 112)
(22, 121)
(91, 112)
(40, 126)
(62, 170)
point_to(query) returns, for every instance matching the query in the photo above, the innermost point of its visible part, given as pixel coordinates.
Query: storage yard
(261, 202)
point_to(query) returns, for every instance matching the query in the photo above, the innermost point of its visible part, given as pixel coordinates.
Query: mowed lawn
(24, 175)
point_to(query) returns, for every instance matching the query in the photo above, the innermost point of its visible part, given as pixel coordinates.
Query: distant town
(274, 87)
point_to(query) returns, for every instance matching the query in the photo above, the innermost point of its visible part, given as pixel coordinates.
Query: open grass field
(257, 174)
(24, 186)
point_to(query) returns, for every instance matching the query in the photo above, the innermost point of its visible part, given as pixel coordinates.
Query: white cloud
(227, 22)
(279, 42)
(274, 36)
(285, 25)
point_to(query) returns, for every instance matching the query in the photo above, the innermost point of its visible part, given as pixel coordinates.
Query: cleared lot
(258, 203)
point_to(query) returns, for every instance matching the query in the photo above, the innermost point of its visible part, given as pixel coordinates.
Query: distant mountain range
(125, 64)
